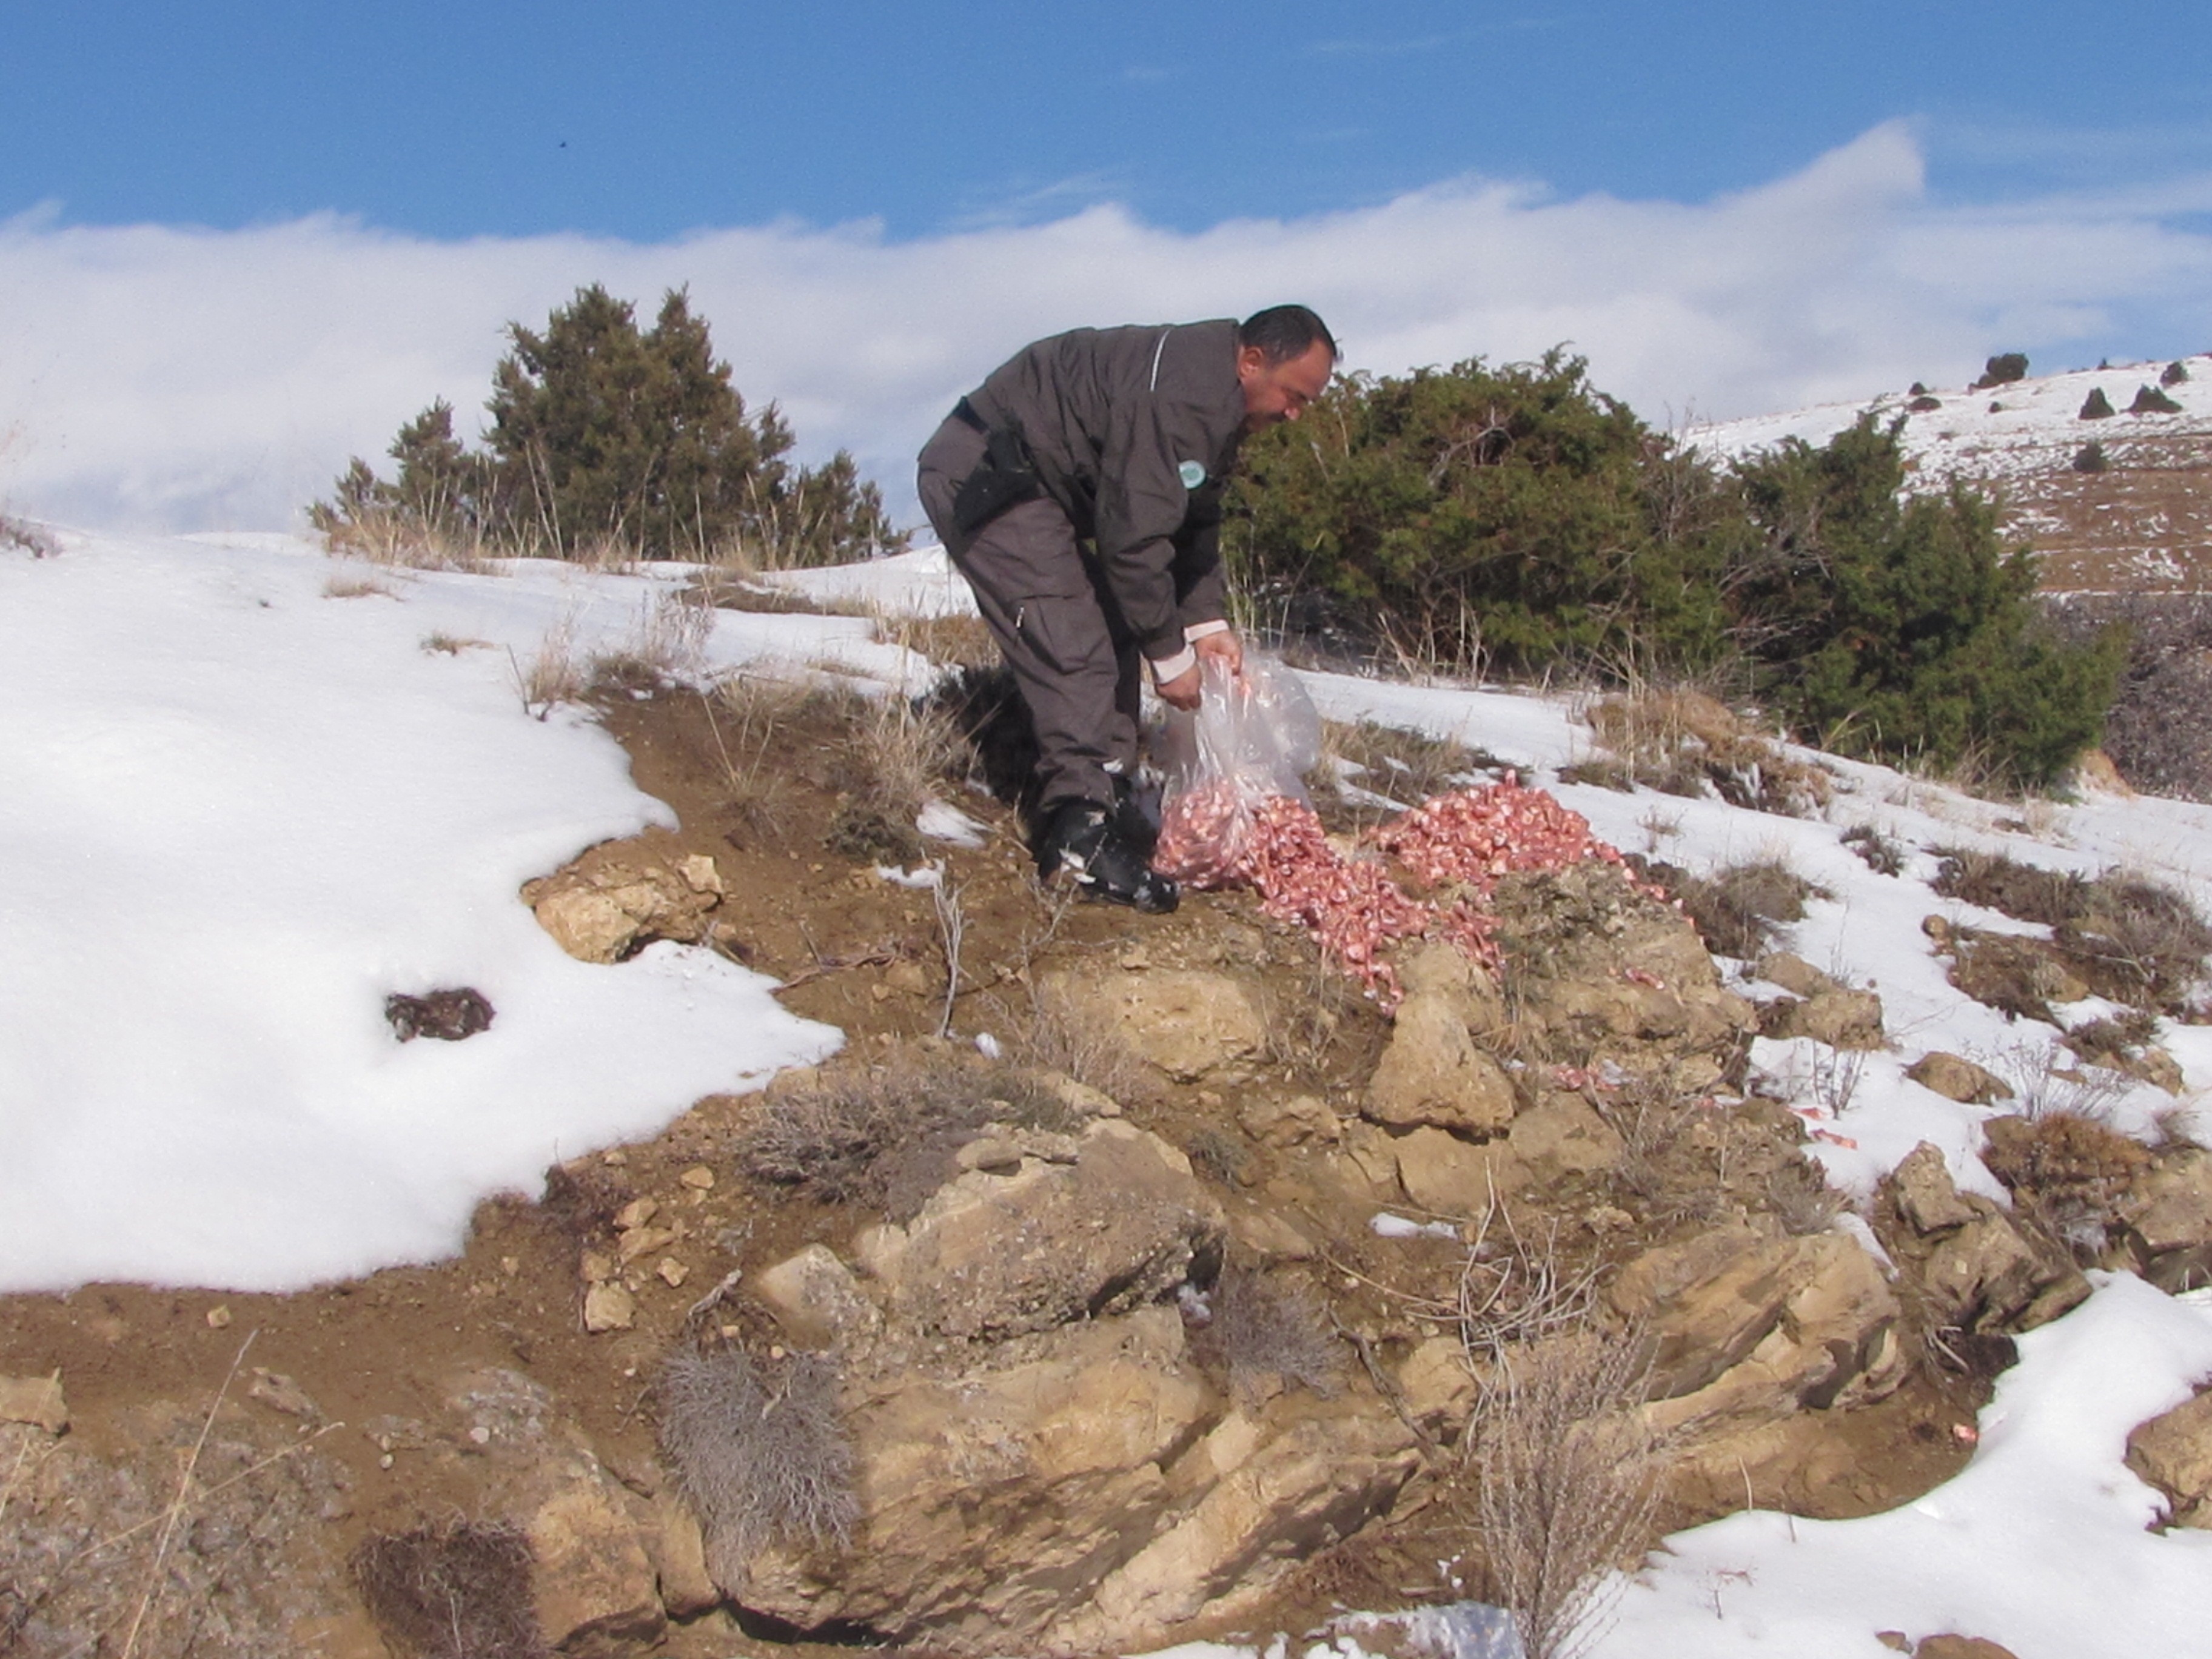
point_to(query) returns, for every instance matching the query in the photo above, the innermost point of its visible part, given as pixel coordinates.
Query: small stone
(608, 1307)
(672, 1272)
(1896, 1640)
(698, 1178)
(1926, 1195)
(909, 977)
(510, 1264)
(636, 1213)
(34, 1400)
(280, 1394)
(596, 1267)
(699, 874)
(480, 1435)
(643, 1241)
(1286, 1123)
(218, 1318)
(385, 1461)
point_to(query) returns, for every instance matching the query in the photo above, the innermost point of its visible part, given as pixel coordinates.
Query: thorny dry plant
(552, 674)
(1568, 1474)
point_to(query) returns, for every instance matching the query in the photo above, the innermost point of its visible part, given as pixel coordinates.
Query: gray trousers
(1058, 626)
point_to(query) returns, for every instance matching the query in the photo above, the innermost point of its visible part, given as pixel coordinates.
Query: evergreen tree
(605, 436)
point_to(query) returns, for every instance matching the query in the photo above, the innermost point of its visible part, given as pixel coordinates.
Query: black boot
(1084, 840)
(1137, 813)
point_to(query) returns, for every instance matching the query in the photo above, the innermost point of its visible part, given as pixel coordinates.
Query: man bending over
(1078, 490)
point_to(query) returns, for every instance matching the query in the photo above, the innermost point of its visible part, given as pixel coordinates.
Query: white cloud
(161, 377)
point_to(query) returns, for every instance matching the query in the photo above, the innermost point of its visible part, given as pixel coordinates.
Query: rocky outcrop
(1192, 1024)
(1751, 1328)
(1978, 1266)
(2166, 1220)
(2174, 1454)
(1040, 1462)
(602, 908)
(1841, 1018)
(1434, 1073)
(1603, 973)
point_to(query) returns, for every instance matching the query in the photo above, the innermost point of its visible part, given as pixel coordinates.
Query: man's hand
(1181, 691)
(1224, 645)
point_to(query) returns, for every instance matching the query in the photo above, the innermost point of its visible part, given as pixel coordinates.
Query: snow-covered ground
(238, 811)
(1998, 434)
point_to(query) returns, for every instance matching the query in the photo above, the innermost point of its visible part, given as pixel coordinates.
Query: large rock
(993, 1502)
(2167, 1219)
(1612, 974)
(603, 907)
(1744, 1325)
(1838, 1018)
(1957, 1078)
(596, 1589)
(2174, 1454)
(1432, 1073)
(34, 1400)
(1447, 1175)
(1979, 1268)
(1271, 1501)
(996, 1255)
(1562, 1136)
(1194, 1026)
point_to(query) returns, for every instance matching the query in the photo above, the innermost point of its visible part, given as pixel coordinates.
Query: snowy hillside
(251, 792)
(2145, 522)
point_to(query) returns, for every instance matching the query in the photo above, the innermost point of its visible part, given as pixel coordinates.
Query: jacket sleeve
(1142, 506)
(1201, 587)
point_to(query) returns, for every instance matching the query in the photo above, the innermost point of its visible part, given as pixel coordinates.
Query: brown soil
(375, 1354)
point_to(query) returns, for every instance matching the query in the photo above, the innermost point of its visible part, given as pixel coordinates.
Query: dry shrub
(893, 755)
(2018, 977)
(2138, 941)
(1267, 1334)
(403, 540)
(451, 645)
(583, 1198)
(1218, 1155)
(1801, 1198)
(759, 1451)
(1739, 909)
(456, 1591)
(1682, 742)
(2025, 892)
(729, 587)
(886, 1135)
(1568, 1475)
(2048, 1080)
(1062, 1036)
(745, 717)
(2067, 1171)
(1875, 850)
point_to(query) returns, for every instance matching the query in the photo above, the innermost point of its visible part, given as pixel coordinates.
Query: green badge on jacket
(1192, 474)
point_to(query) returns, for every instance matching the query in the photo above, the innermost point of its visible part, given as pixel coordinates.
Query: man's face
(1280, 391)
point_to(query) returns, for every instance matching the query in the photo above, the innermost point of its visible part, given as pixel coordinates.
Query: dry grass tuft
(441, 643)
(1683, 742)
(552, 675)
(1059, 1035)
(2049, 1081)
(668, 641)
(456, 1591)
(759, 1451)
(886, 1136)
(1269, 1335)
(342, 586)
(2132, 939)
(1739, 909)
(1405, 767)
(954, 642)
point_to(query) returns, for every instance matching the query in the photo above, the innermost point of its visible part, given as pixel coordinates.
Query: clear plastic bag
(1253, 735)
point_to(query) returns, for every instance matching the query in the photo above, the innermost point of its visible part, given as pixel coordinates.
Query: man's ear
(1251, 361)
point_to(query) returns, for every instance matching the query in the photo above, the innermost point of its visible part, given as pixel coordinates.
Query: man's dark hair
(1283, 333)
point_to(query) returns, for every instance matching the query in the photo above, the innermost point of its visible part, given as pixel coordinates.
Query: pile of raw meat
(1456, 845)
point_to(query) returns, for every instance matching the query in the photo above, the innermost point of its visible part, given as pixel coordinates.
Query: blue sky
(241, 242)
(645, 120)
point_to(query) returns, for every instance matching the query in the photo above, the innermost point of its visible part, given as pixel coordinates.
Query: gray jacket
(1132, 430)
